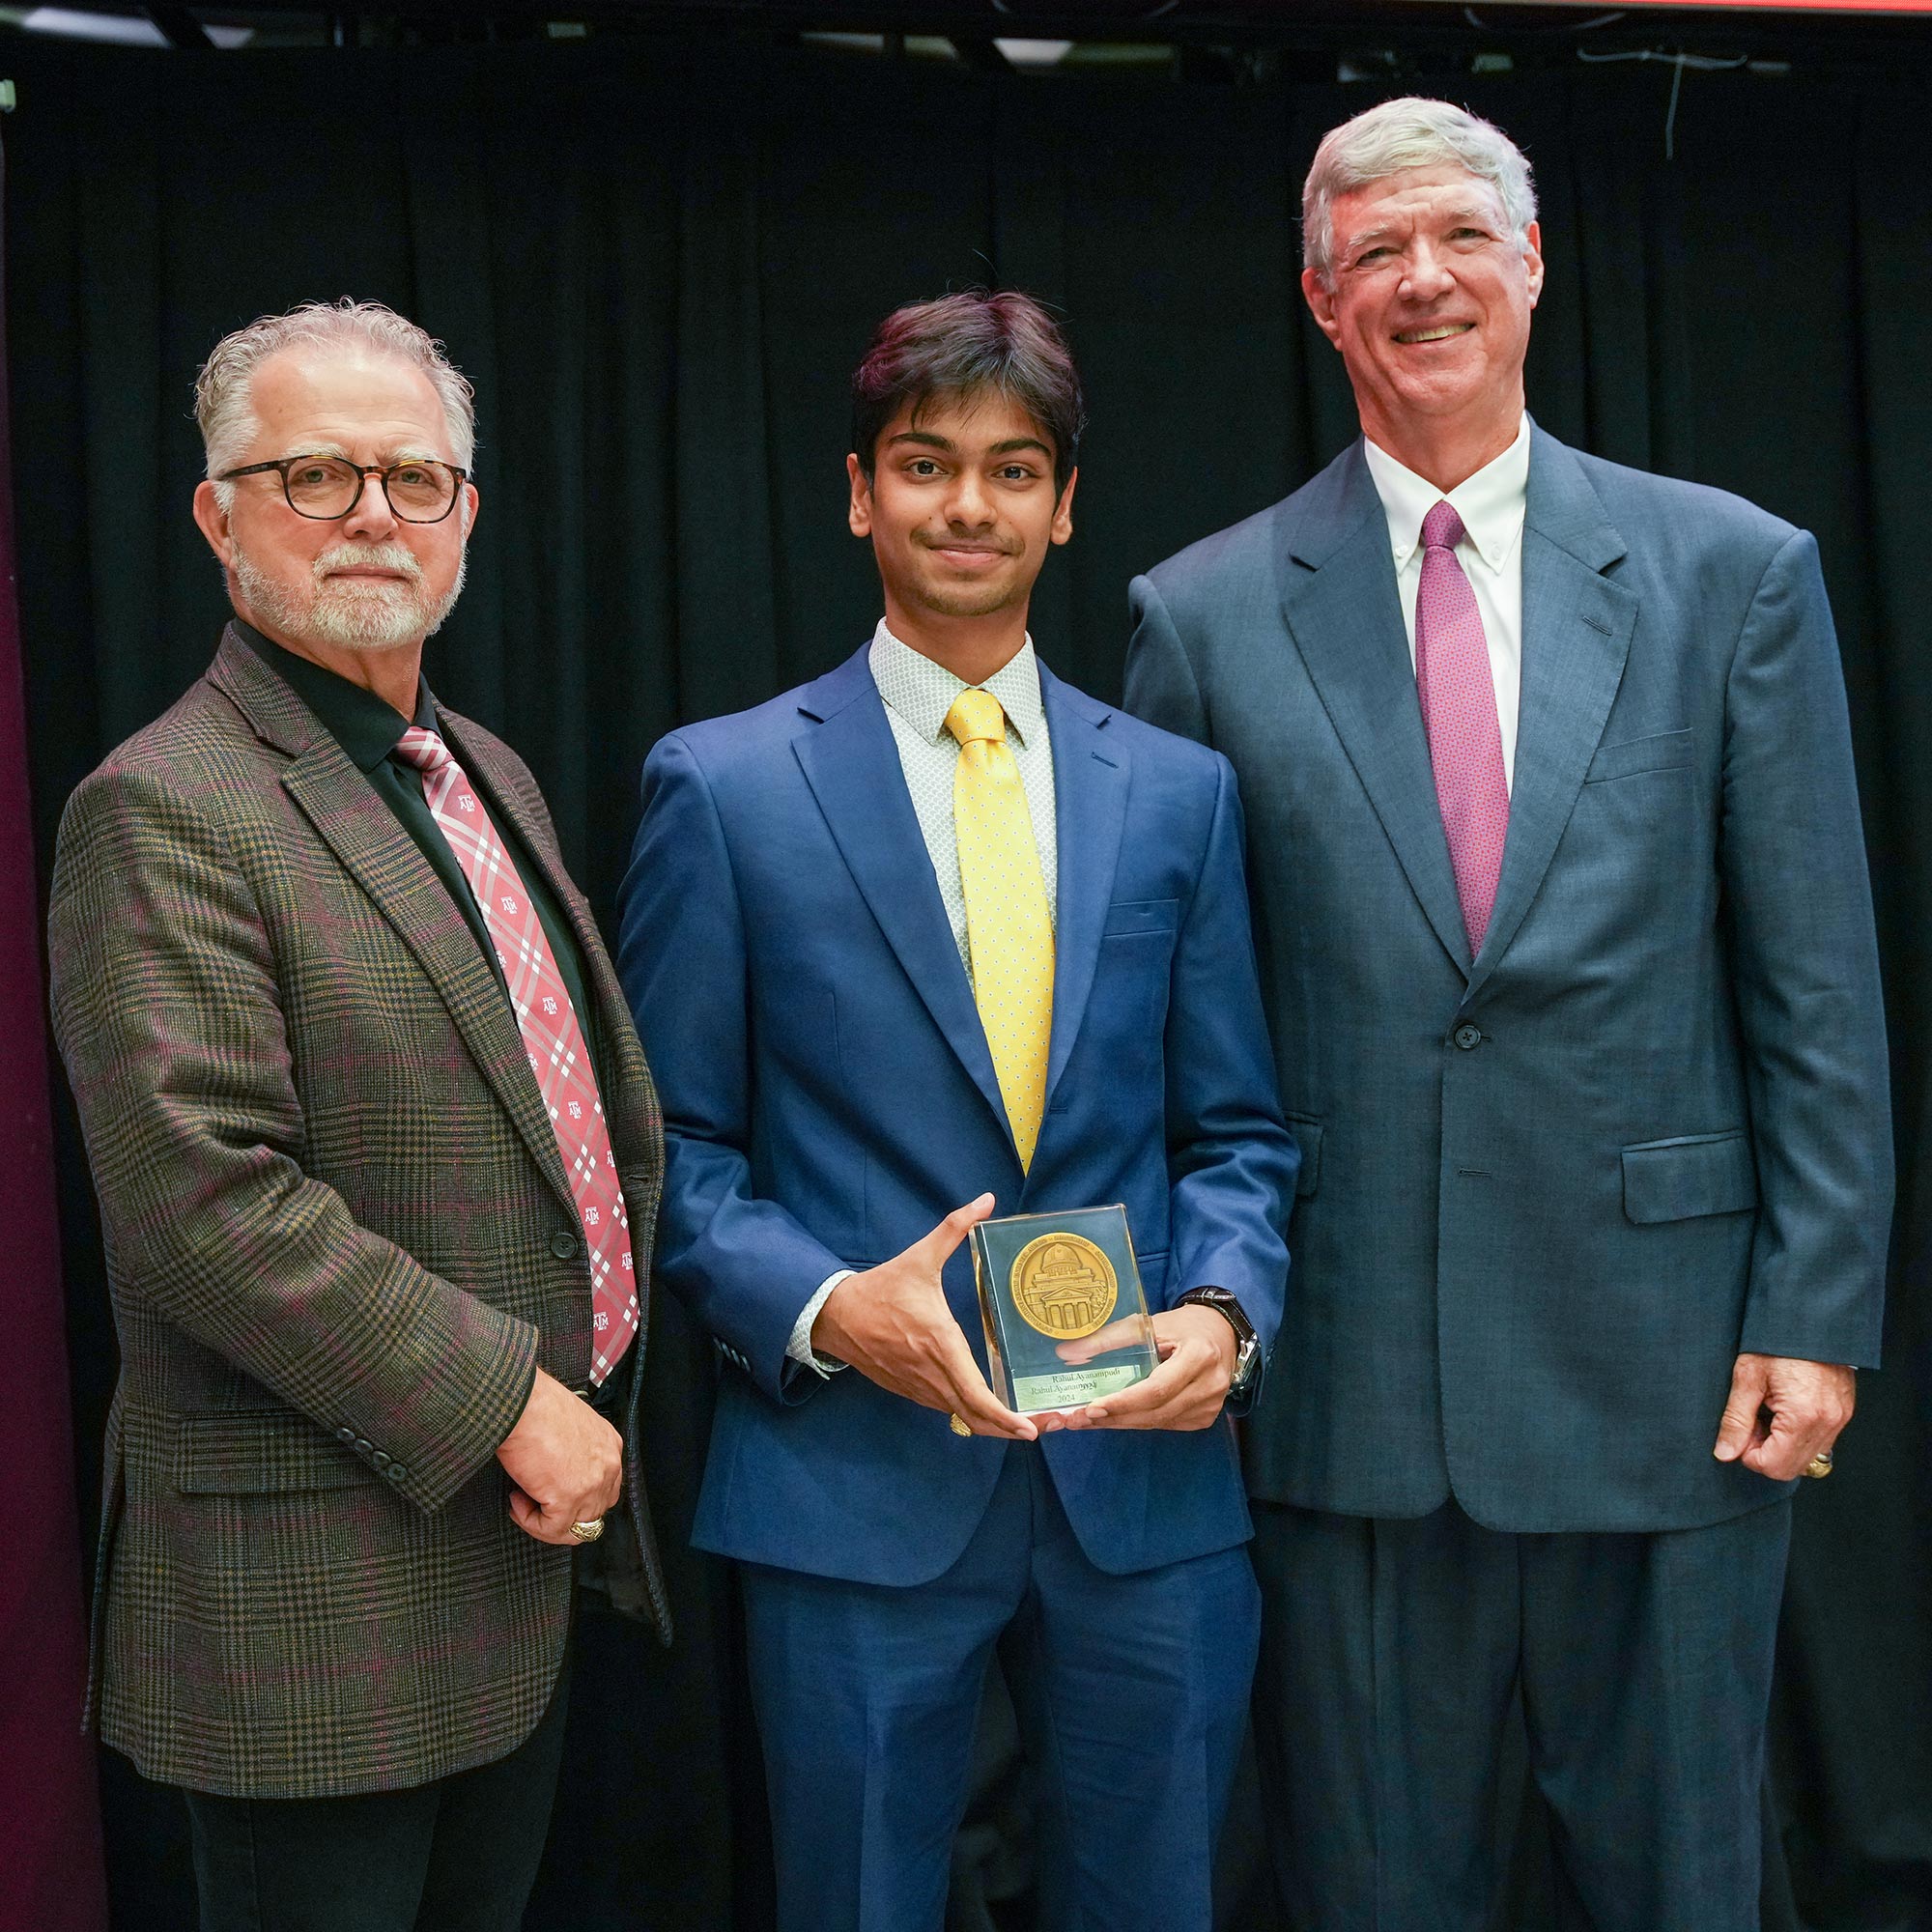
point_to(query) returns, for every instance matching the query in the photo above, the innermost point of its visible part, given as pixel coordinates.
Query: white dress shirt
(1491, 504)
(918, 695)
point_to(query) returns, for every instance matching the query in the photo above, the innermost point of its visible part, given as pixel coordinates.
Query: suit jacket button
(380, 1457)
(1467, 1036)
(563, 1245)
(345, 1433)
(364, 1445)
(396, 1472)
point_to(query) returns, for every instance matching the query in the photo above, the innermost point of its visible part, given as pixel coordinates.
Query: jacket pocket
(1665, 751)
(1697, 1174)
(1129, 916)
(1307, 1132)
(252, 1452)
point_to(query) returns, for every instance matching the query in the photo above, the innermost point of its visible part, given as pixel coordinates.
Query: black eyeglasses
(420, 490)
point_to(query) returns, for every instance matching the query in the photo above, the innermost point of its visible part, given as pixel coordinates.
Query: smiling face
(961, 510)
(366, 581)
(1430, 304)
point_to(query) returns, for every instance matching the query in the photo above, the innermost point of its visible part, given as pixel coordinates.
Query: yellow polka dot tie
(1009, 934)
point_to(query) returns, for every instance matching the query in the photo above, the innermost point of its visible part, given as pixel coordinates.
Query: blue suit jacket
(829, 1096)
(1550, 1192)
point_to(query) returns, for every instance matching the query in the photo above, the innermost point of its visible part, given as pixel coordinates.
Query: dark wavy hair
(959, 345)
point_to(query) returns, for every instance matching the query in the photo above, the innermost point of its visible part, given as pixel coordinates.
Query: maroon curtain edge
(50, 1847)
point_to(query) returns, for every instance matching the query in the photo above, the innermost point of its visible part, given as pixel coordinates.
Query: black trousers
(1390, 1654)
(457, 1854)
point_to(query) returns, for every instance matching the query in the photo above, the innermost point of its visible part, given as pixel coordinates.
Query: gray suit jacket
(1548, 1193)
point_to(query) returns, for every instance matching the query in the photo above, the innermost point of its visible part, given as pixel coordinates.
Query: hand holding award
(1190, 1388)
(892, 1323)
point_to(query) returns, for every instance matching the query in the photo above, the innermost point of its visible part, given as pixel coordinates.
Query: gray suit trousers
(1390, 1654)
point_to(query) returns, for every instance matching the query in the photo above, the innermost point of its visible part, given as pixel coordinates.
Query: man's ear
(1062, 515)
(859, 514)
(212, 521)
(1532, 260)
(1321, 299)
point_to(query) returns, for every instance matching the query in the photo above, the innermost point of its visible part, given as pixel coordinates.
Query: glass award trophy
(1067, 1319)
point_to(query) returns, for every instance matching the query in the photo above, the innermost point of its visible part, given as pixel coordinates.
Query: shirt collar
(1491, 503)
(366, 729)
(921, 692)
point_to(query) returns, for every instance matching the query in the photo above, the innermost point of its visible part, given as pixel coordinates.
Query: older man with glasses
(370, 1129)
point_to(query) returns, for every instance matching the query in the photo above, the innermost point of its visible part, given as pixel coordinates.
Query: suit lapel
(624, 1080)
(1342, 608)
(384, 860)
(851, 762)
(539, 845)
(1577, 627)
(614, 1033)
(1091, 776)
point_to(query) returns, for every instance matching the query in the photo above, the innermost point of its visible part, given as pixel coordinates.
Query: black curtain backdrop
(659, 263)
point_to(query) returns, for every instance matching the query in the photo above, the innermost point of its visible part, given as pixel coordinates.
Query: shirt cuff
(799, 1348)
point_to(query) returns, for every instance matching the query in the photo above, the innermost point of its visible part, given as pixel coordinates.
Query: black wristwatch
(1247, 1344)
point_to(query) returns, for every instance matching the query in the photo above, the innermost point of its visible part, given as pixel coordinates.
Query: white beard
(352, 614)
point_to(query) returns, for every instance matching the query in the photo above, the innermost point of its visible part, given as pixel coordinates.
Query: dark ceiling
(1302, 34)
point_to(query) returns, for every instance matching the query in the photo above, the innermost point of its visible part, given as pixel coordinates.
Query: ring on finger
(1820, 1466)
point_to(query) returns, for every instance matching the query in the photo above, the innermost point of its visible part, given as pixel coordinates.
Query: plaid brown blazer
(339, 1243)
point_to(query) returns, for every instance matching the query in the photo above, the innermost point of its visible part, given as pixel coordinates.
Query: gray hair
(223, 405)
(1408, 134)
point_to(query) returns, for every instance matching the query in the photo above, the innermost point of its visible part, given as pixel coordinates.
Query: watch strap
(1247, 1344)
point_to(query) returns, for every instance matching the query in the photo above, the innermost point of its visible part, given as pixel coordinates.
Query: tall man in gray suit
(1564, 926)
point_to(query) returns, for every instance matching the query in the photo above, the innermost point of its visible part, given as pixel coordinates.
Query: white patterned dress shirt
(1492, 504)
(918, 695)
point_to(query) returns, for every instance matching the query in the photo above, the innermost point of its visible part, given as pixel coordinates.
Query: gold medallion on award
(1064, 1286)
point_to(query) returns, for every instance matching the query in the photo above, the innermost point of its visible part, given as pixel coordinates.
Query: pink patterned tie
(551, 1037)
(1459, 714)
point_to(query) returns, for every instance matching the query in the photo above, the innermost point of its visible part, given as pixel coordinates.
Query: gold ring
(959, 1427)
(587, 1532)
(1820, 1466)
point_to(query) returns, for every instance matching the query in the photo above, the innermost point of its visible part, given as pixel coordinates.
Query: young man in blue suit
(937, 928)
(1568, 951)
